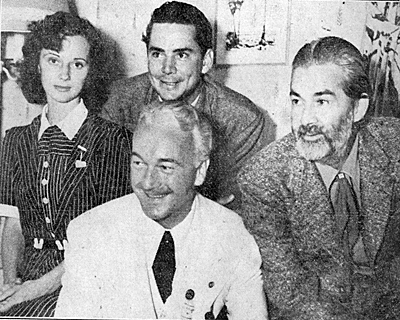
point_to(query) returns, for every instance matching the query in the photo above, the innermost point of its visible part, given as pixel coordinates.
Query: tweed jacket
(107, 273)
(287, 208)
(240, 128)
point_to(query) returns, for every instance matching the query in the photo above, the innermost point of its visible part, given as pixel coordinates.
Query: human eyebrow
(170, 160)
(325, 92)
(293, 93)
(134, 154)
(183, 50)
(151, 48)
(50, 52)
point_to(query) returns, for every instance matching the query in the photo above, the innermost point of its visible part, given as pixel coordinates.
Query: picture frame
(252, 31)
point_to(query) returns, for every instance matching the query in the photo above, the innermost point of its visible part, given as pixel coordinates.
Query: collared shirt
(351, 167)
(70, 125)
(155, 233)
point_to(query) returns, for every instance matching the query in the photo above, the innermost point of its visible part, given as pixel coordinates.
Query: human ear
(201, 172)
(207, 61)
(361, 107)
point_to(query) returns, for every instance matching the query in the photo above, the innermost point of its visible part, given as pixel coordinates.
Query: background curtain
(381, 48)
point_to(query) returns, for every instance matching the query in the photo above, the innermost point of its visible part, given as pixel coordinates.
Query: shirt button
(45, 182)
(45, 201)
(46, 164)
(47, 220)
(189, 294)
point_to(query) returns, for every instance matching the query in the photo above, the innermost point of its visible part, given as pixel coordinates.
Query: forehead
(161, 137)
(317, 78)
(75, 45)
(173, 36)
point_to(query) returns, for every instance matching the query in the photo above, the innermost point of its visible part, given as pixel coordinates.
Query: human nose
(150, 179)
(65, 72)
(169, 66)
(308, 115)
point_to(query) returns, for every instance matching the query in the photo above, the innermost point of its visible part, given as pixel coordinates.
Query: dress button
(46, 164)
(47, 220)
(189, 294)
(45, 182)
(45, 201)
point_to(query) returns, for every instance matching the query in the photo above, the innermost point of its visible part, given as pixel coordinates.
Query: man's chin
(313, 151)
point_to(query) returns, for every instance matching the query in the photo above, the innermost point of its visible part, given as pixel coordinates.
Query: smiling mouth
(170, 84)
(312, 137)
(156, 196)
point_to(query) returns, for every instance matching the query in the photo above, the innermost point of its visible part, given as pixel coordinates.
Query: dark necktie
(164, 265)
(347, 212)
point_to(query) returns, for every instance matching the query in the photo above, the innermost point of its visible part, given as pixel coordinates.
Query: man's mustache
(310, 129)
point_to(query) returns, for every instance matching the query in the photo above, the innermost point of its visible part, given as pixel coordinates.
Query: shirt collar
(350, 167)
(70, 125)
(155, 232)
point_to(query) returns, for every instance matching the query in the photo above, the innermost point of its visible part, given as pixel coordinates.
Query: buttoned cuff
(9, 211)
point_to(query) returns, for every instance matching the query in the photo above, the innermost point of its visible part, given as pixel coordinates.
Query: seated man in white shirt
(164, 251)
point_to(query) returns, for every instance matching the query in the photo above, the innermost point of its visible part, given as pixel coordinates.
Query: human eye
(155, 54)
(295, 101)
(79, 64)
(322, 102)
(137, 163)
(166, 168)
(53, 60)
(182, 55)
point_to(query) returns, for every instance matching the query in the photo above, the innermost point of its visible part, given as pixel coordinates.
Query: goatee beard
(332, 143)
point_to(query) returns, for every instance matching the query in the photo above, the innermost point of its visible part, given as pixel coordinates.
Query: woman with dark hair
(67, 161)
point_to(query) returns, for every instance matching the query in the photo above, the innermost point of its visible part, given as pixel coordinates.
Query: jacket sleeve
(292, 288)
(241, 129)
(79, 297)
(246, 298)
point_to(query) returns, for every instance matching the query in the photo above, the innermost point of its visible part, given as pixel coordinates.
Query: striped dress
(54, 180)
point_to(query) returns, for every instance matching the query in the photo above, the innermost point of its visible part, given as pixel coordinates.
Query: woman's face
(64, 73)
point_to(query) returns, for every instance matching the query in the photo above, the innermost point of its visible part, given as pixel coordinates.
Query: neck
(58, 111)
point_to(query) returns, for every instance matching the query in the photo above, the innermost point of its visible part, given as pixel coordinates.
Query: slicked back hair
(182, 13)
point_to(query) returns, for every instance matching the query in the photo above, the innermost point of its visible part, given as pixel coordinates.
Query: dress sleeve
(8, 165)
(113, 170)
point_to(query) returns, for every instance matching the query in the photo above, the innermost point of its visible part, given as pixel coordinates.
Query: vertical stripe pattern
(54, 180)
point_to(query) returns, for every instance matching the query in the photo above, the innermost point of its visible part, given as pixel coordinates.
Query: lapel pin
(79, 163)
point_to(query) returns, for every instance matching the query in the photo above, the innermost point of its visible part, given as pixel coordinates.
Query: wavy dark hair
(49, 33)
(182, 13)
(341, 53)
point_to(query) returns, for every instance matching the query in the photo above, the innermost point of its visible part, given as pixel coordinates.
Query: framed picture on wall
(252, 31)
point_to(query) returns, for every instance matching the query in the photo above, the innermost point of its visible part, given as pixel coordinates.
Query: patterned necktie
(164, 265)
(347, 212)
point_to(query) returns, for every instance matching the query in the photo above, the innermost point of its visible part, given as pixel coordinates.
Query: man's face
(175, 61)
(322, 114)
(164, 169)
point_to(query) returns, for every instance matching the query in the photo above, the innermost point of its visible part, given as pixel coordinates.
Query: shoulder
(108, 129)
(14, 134)
(226, 93)
(386, 131)
(220, 221)
(103, 218)
(131, 84)
(275, 156)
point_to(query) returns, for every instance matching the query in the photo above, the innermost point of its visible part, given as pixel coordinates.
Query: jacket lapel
(376, 187)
